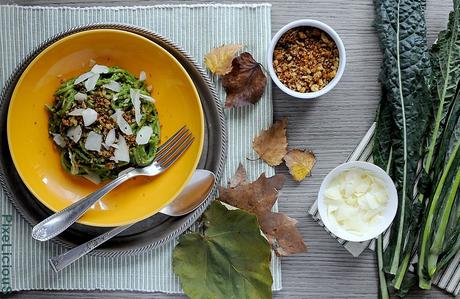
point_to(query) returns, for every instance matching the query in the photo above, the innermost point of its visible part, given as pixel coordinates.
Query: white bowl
(340, 47)
(388, 214)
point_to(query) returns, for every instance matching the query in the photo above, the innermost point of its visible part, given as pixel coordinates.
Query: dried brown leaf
(246, 82)
(271, 144)
(219, 60)
(258, 198)
(282, 234)
(300, 163)
(240, 177)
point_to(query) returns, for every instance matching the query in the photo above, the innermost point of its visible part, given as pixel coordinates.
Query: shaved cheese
(113, 85)
(143, 135)
(83, 77)
(122, 123)
(76, 112)
(74, 133)
(90, 78)
(121, 153)
(89, 116)
(80, 97)
(100, 69)
(135, 99)
(58, 139)
(142, 76)
(356, 200)
(333, 192)
(110, 138)
(93, 141)
(92, 177)
(148, 98)
(90, 83)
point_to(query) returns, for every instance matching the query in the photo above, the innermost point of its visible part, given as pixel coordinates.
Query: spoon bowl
(193, 195)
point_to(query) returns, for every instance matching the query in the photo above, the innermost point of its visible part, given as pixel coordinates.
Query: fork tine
(166, 152)
(170, 139)
(178, 153)
(166, 156)
(165, 146)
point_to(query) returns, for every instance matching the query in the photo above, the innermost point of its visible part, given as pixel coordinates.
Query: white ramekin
(340, 47)
(388, 214)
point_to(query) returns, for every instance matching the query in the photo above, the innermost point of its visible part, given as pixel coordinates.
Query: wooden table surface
(331, 127)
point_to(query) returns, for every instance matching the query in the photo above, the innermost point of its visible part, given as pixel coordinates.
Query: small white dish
(342, 58)
(388, 214)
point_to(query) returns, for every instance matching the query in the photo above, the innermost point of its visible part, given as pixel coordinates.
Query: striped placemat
(449, 279)
(197, 28)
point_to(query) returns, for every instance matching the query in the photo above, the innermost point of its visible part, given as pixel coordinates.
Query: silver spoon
(193, 195)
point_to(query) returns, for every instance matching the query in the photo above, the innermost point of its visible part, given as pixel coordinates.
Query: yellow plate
(37, 159)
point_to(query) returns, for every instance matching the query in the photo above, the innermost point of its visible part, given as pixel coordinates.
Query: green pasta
(83, 118)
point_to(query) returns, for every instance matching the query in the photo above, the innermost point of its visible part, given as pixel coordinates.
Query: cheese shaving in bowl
(135, 98)
(99, 69)
(113, 86)
(90, 84)
(59, 140)
(142, 76)
(121, 152)
(80, 97)
(143, 135)
(357, 203)
(93, 141)
(89, 116)
(74, 133)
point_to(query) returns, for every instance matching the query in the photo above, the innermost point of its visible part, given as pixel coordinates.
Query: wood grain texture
(331, 127)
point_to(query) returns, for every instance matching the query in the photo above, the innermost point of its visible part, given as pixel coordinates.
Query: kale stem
(427, 228)
(438, 242)
(402, 270)
(382, 280)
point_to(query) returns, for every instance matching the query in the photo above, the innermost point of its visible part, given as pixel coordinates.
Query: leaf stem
(382, 280)
(426, 230)
(402, 270)
(436, 247)
(399, 245)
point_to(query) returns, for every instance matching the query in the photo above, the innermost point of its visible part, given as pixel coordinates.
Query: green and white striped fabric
(449, 279)
(197, 28)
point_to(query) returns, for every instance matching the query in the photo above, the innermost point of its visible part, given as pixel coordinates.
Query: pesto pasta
(103, 122)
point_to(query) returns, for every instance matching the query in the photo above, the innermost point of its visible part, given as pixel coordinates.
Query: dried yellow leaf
(300, 163)
(219, 60)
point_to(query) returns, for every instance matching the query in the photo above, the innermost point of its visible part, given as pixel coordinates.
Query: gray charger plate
(153, 231)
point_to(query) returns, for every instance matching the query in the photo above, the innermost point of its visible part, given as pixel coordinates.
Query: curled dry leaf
(282, 234)
(246, 82)
(300, 163)
(219, 60)
(240, 177)
(258, 198)
(271, 144)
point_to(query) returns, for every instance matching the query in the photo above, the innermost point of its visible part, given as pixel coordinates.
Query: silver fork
(167, 154)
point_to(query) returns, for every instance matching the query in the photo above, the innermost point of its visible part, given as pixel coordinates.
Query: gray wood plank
(331, 127)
